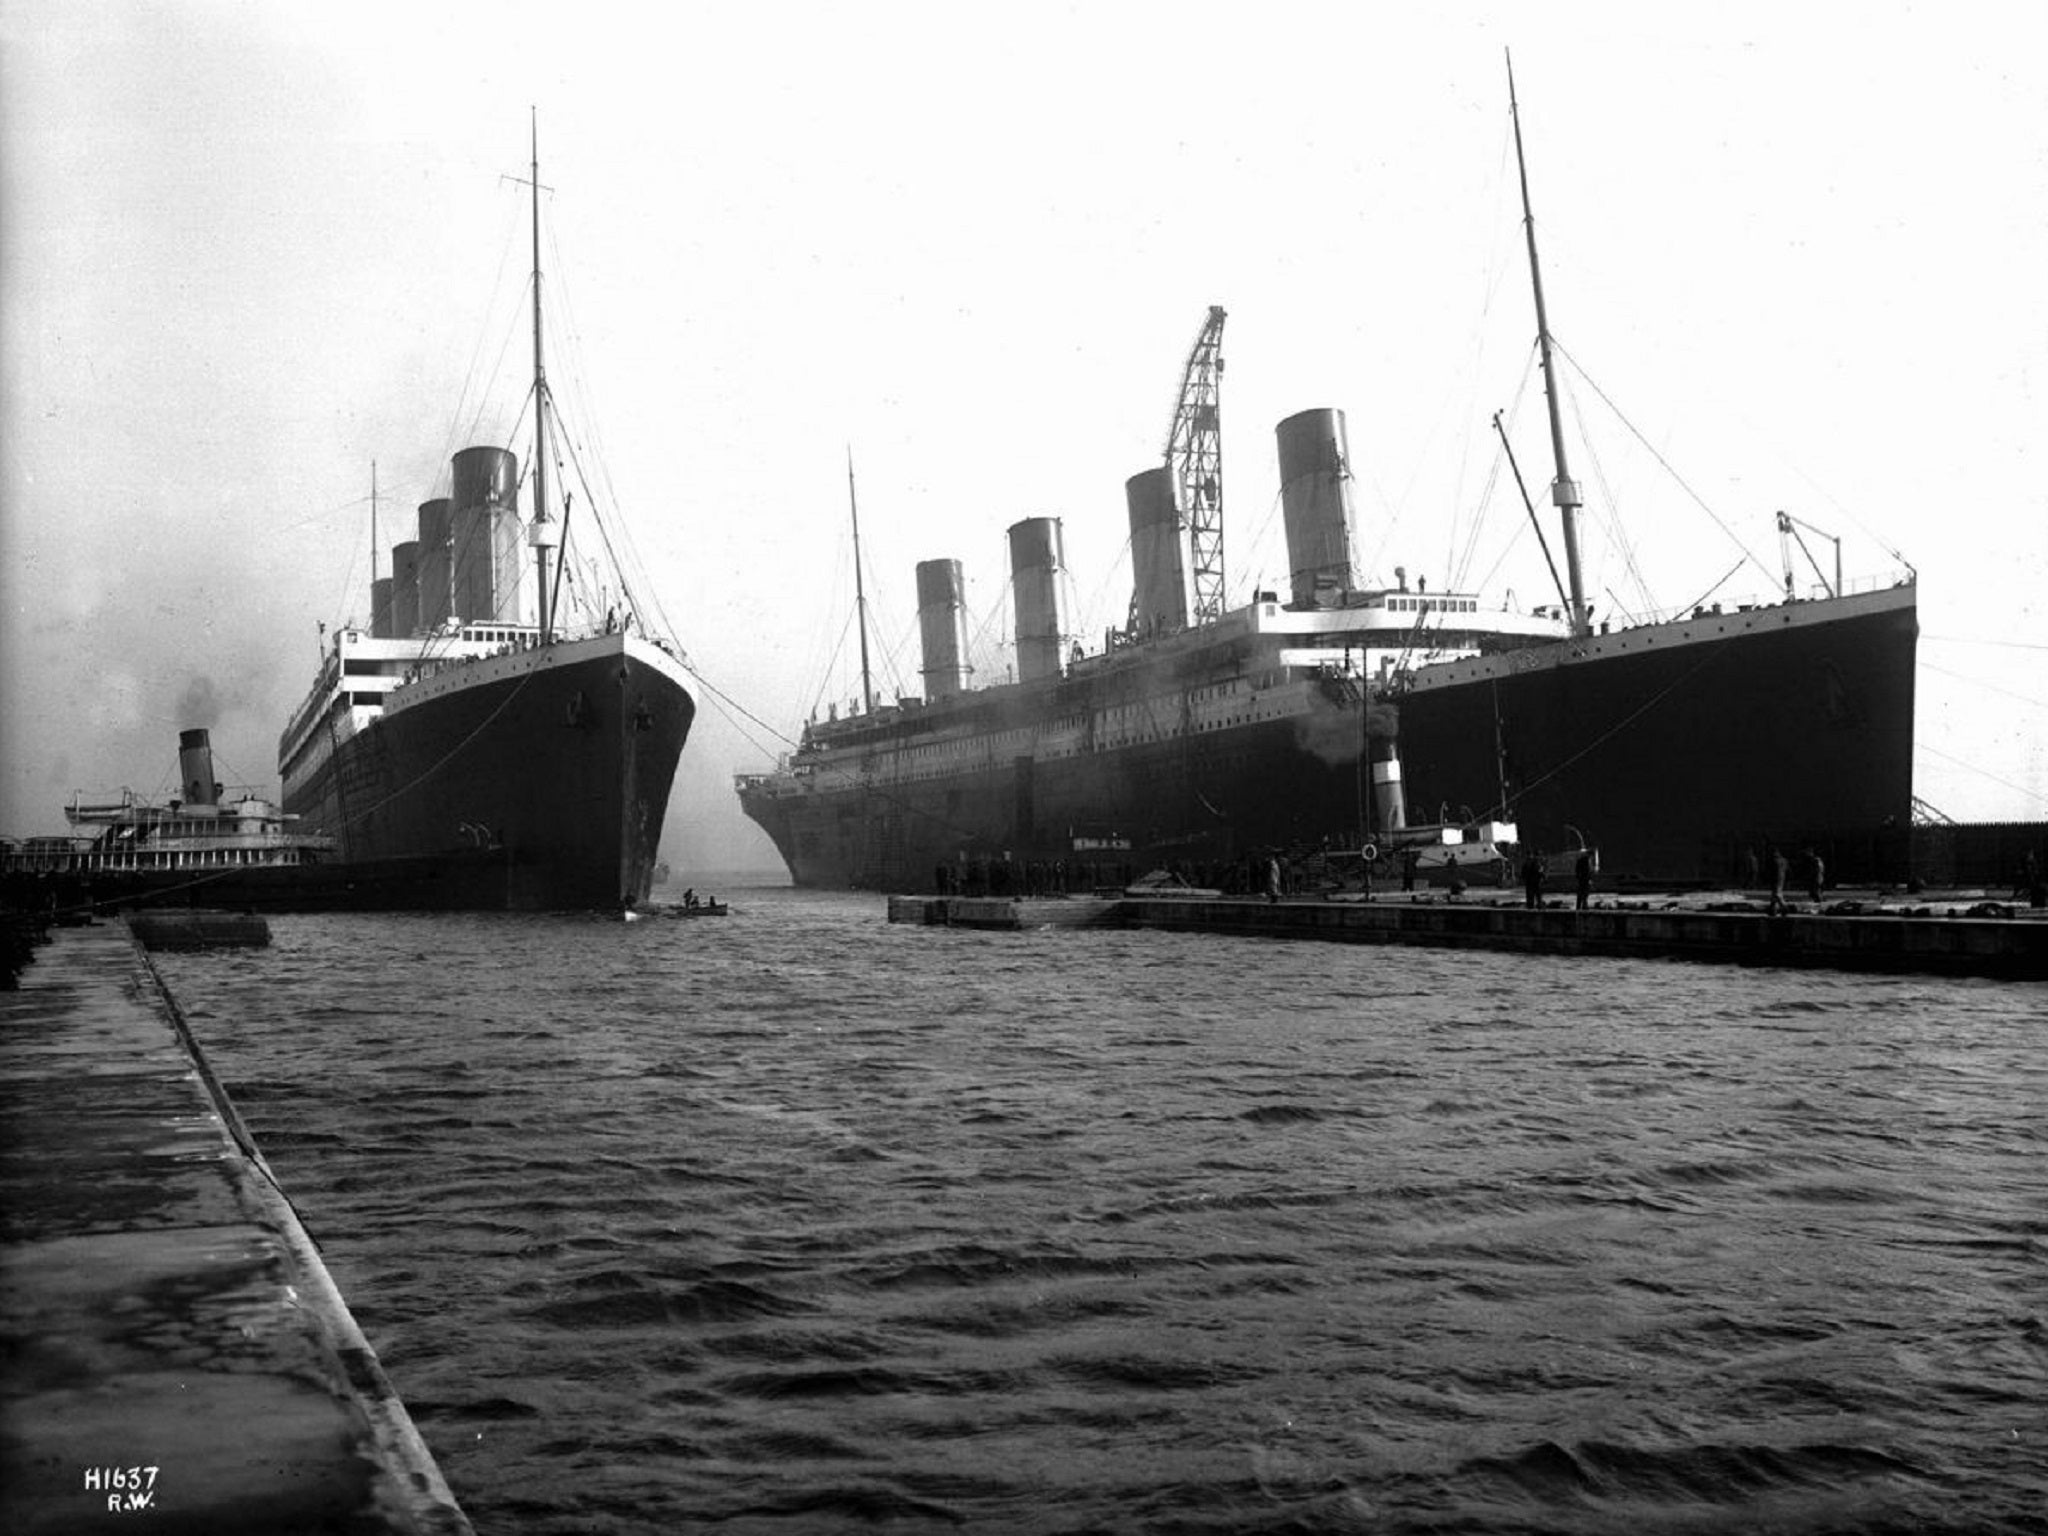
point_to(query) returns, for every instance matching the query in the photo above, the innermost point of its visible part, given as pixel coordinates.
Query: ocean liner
(1303, 723)
(490, 740)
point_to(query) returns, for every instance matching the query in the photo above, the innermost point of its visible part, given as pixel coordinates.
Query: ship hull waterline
(539, 784)
(1679, 753)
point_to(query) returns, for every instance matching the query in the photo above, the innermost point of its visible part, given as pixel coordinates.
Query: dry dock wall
(1943, 943)
(1997, 947)
(173, 1352)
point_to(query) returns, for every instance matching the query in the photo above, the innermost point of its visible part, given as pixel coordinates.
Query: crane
(1788, 534)
(1194, 462)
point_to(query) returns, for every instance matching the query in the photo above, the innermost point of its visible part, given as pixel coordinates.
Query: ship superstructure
(208, 843)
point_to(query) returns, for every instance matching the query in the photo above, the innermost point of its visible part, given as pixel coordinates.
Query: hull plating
(541, 791)
(1675, 759)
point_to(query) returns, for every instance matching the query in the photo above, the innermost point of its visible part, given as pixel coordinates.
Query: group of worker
(1535, 869)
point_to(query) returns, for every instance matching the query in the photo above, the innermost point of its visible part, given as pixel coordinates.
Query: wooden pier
(175, 1350)
(1952, 938)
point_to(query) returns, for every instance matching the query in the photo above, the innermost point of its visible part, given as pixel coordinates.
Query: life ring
(1370, 853)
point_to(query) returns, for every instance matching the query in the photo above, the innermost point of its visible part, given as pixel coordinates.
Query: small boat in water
(692, 905)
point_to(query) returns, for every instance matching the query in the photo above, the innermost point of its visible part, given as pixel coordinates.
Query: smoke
(200, 705)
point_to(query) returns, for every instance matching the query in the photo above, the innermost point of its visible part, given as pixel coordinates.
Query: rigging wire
(1619, 726)
(1521, 524)
(1981, 772)
(1607, 506)
(2019, 645)
(1259, 553)
(824, 675)
(1963, 677)
(506, 242)
(1701, 600)
(1698, 500)
(1494, 273)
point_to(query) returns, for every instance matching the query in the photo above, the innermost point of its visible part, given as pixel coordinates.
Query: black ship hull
(537, 781)
(1676, 751)
(1679, 762)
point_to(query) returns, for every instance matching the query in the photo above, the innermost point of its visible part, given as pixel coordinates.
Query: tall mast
(542, 534)
(1564, 490)
(373, 536)
(860, 596)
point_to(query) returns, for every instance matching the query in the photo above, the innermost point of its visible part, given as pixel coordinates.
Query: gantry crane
(1194, 462)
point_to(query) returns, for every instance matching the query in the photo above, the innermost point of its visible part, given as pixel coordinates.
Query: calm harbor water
(797, 1221)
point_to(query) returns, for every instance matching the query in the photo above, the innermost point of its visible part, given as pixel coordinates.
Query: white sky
(248, 248)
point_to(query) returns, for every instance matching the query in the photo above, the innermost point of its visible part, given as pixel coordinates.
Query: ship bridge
(1379, 633)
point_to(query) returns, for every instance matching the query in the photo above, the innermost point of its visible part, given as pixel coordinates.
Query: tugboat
(205, 847)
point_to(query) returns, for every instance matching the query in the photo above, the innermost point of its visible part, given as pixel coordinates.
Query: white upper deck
(362, 678)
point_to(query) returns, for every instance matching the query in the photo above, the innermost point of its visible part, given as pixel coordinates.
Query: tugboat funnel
(195, 768)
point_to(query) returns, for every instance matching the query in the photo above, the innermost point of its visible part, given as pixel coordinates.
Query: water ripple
(800, 1222)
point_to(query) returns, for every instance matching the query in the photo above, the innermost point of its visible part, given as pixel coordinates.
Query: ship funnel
(942, 625)
(486, 560)
(1389, 800)
(1159, 600)
(1037, 564)
(436, 562)
(380, 608)
(405, 588)
(1315, 499)
(195, 768)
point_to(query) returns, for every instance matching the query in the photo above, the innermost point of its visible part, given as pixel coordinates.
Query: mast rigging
(1564, 490)
(542, 535)
(860, 595)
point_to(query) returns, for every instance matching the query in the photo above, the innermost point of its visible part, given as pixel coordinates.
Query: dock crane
(1194, 461)
(1788, 535)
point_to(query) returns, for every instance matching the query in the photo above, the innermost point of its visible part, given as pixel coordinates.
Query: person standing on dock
(1816, 874)
(1780, 868)
(1272, 879)
(1532, 880)
(1582, 871)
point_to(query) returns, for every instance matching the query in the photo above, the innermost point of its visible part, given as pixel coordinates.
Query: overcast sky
(249, 248)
